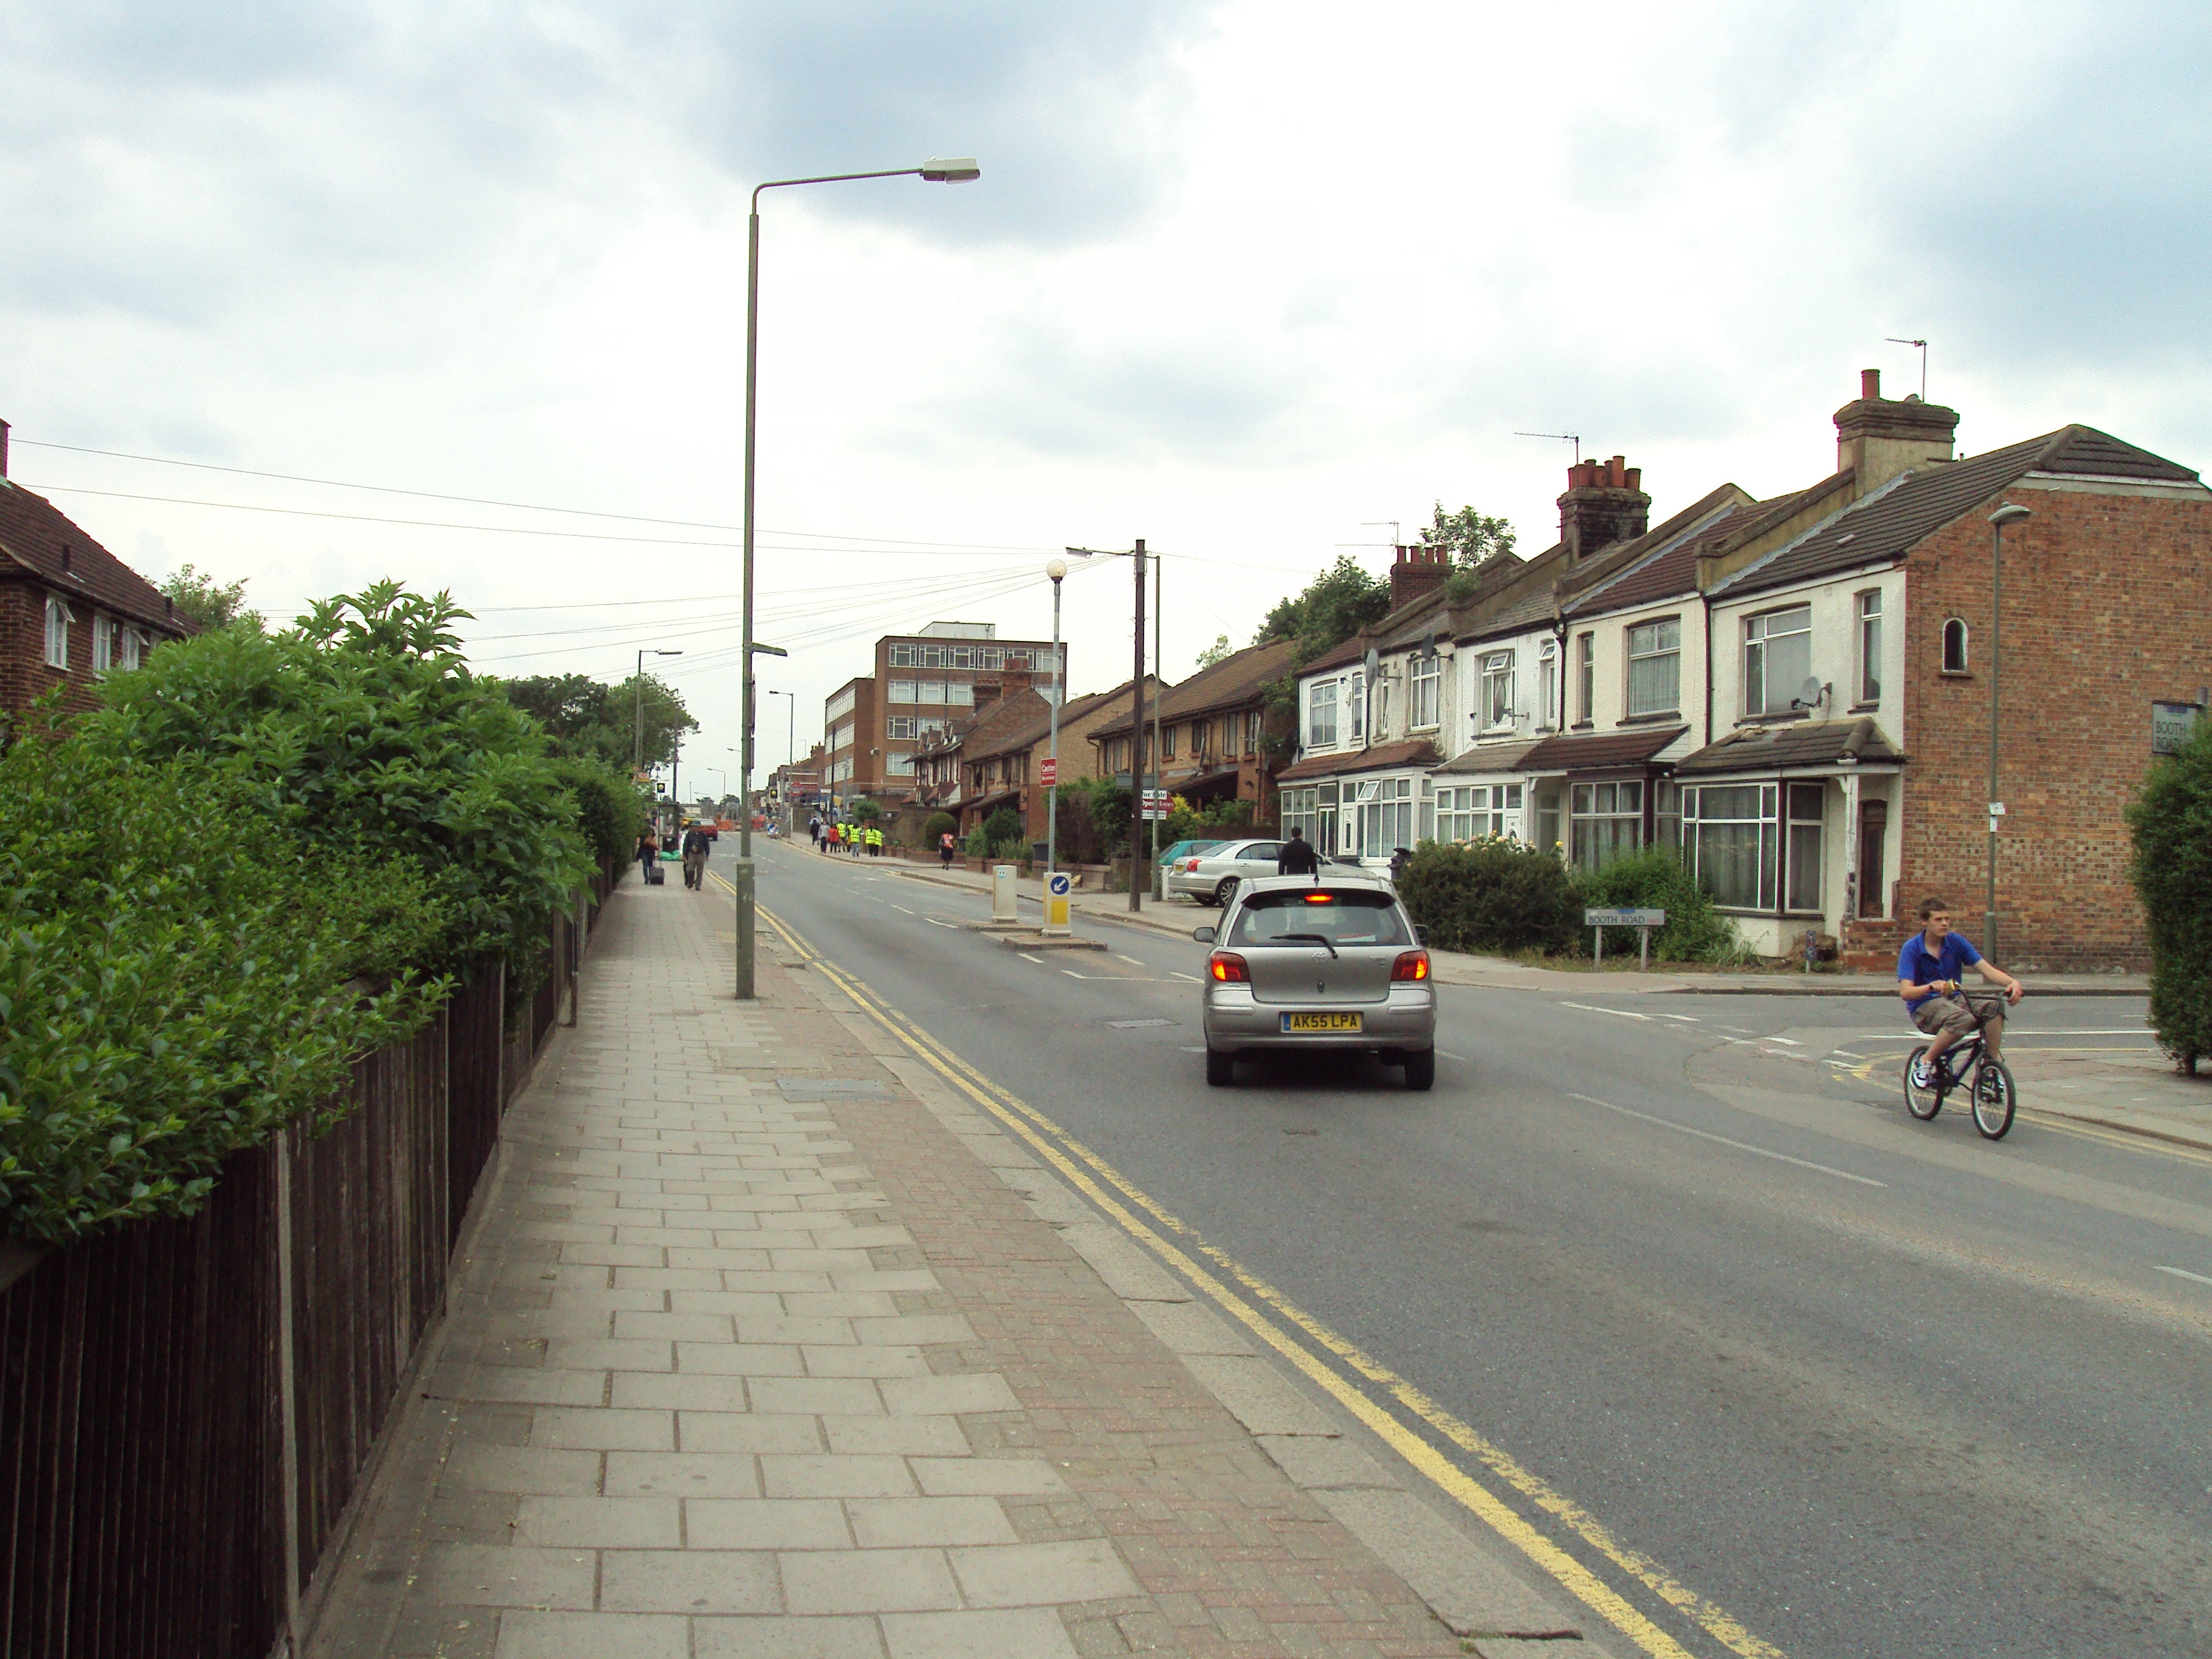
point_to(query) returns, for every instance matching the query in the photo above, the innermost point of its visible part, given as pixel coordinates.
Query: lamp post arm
(832, 179)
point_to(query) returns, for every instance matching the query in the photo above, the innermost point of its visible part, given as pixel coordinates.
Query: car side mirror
(1420, 935)
(1203, 935)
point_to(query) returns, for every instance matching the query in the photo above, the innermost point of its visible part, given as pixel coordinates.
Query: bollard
(741, 878)
(1002, 892)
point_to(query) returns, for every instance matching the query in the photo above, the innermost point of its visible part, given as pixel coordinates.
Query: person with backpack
(694, 856)
(946, 842)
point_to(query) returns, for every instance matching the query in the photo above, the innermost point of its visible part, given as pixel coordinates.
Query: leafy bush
(1004, 825)
(978, 844)
(865, 810)
(939, 825)
(365, 730)
(1490, 896)
(2171, 867)
(179, 976)
(611, 811)
(1655, 879)
(1011, 851)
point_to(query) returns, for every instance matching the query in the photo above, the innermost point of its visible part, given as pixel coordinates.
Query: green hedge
(611, 810)
(1490, 896)
(180, 975)
(1654, 879)
(2172, 866)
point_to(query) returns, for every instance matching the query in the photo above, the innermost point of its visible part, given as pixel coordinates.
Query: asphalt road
(1873, 1387)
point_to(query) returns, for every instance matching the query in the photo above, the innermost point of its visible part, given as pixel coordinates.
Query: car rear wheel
(1421, 1069)
(1220, 1067)
(1223, 891)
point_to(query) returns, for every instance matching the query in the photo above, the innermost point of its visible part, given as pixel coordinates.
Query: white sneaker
(1921, 1077)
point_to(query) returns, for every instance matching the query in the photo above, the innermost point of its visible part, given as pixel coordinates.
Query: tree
(1336, 605)
(2171, 821)
(1220, 651)
(207, 603)
(1474, 538)
(586, 719)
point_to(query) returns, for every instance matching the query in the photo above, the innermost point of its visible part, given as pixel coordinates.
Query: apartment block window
(1803, 848)
(1655, 668)
(929, 691)
(1498, 690)
(902, 691)
(840, 736)
(902, 656)
(1954, 644)
(932, 656)
(58, 618)
(1355, 708)
(1728, 832)
(1778, 659)
(840, 704)
(901, 725)
(994, 657)
(1021, 659)
(103, 644)
(1428, 679)
(1871, 647)
(961, 694)
(898, 764)
(1321, 715)
(1472, 811)
(1253, 720)
(1606, 820)
(1586, 679)
(1547, 687)
(967, 656)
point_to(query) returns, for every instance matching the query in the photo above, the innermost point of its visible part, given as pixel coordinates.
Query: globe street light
(2008, 514)
(954, 170)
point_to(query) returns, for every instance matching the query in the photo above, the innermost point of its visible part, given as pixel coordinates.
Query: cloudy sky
(1242, 279)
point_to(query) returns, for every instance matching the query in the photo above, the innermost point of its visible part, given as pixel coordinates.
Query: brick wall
(24, 675)
(2107, 607)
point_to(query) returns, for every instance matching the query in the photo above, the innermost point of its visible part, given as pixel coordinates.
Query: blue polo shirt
(1914, 963)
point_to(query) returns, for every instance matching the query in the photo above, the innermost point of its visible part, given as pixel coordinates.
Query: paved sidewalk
(754, 1354)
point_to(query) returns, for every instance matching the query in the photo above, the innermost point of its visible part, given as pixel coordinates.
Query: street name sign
(2170, 723)
(1624, 918)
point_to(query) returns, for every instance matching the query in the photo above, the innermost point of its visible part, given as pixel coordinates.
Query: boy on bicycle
(1928, 970)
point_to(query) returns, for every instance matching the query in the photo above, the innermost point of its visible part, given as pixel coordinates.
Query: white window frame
(1547, 691)
(1599, 803)
(1965, 637)
(1473, 811)
(1498, 700)
(902, 656)
(1699, 803)
(1382, 709)
(1869, 621)
(901, 725)
(1648, 644)
(103, 644)
(58, 618)
(1321, 714)
(901, 692)
(1586, 681)
(133, 647)
(960, 694)
(1355, 707)
(1761, 633)
(929, 691)
(1425, 706)
(932, 656)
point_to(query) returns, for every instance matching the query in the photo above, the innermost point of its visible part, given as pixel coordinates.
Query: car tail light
(1189, 865)
(1410, 964)
(1229, 969)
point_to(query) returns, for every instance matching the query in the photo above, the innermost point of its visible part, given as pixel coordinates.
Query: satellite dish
(1429, 643)
(1808, 694)
(1373, 662)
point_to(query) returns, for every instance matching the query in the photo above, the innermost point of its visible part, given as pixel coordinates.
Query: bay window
(1473, 811)
(1606, 821)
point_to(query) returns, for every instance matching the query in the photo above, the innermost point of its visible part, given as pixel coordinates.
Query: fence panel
(475, 1056)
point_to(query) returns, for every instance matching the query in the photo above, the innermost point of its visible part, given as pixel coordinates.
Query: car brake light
(1410, 964)
(1189, 865)
(1229, 969)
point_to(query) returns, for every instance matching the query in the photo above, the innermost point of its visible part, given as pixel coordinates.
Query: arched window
(1954, 646)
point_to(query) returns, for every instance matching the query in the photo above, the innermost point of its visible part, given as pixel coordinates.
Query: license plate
(1322, 1022)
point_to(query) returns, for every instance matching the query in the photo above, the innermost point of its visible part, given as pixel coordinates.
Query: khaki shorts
(1955, 1014)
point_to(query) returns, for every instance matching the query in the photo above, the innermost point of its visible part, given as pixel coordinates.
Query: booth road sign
(1624, 918)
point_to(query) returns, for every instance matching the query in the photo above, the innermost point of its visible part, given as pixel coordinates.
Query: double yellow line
(1302, 1340)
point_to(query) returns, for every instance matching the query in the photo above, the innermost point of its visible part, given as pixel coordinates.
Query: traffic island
(1031, 940)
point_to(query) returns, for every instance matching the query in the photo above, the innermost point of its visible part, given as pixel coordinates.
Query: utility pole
(1137, 741)
(1055, 572)
(1159, 616)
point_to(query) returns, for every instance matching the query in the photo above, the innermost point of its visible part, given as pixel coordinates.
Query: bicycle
(1992, 1097)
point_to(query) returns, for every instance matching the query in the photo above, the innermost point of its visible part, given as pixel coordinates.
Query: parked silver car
(1330, 961)
(1212, 876)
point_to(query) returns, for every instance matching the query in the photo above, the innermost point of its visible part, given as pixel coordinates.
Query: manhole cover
(1136, 1024)
(826, 1088)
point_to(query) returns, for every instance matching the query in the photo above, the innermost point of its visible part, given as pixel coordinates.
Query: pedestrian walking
(1297, 857)
(694, 856)
(944, 844)
(648, 850)
(875, 840)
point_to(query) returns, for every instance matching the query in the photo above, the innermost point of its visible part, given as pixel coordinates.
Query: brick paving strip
(758, 1352)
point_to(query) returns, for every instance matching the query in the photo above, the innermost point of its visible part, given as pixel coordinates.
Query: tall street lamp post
(1137, 716)
(955, 170)
(1057, 570)
(790, 752)
(637, 754)
(2008, 514)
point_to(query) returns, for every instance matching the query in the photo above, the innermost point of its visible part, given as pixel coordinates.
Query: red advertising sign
(1051, 773)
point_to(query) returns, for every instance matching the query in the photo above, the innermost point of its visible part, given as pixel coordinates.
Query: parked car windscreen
(1184, 849)
(1357, 916)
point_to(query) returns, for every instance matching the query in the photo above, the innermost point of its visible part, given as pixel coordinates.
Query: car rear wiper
(1315, 938)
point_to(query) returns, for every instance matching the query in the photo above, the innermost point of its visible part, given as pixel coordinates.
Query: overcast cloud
(1239, 277)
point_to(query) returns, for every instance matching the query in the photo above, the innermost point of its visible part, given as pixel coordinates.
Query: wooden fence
(187, 1406)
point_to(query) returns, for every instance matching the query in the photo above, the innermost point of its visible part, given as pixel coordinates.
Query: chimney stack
(1605, 504)
(3, 449)
(1420, 569)
(1877, 439)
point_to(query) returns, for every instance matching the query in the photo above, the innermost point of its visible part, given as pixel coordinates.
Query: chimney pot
(3, 449)
(1870, 385)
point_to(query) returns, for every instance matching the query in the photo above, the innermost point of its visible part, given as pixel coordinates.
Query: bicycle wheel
(1994, 1099)
(1922, 1103)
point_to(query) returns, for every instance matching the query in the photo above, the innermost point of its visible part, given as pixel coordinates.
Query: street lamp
(637, 754)
(2009, 512)
(1057, 570)
(954, 170)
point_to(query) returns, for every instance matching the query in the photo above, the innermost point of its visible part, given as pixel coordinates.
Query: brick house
(71, 611)
(1793, 692)
(1219, 738)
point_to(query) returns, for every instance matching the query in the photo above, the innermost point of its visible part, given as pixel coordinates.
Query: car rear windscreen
(1342, 916)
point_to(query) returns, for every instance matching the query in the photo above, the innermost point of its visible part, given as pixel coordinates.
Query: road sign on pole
(1057, 888)
(1048, 773)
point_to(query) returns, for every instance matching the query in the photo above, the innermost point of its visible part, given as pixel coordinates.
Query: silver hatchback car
(1326, 962)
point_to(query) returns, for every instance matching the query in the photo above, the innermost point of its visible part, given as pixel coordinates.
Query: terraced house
(1795, 694)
